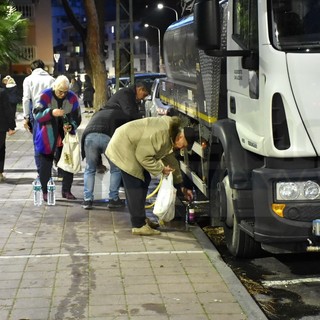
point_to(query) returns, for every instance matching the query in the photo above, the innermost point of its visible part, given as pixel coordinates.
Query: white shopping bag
(70, 159)
(164, 207)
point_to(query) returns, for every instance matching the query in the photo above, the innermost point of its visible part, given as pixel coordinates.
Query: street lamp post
(161, 6)
(137, 37)
(159, 43)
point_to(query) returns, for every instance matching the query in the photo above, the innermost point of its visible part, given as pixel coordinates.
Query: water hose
(153, 193)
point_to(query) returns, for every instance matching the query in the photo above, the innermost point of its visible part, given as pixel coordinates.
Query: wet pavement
(64, 262)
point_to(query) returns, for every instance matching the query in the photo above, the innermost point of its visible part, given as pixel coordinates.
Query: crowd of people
(135, 147)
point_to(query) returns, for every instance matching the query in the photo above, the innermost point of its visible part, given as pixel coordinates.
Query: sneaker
(2, 177)
(145, 230)
(152, 224)
(87, 204)
(119, 203)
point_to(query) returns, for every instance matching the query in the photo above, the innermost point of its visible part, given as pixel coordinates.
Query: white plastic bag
(70, 159)
(164, 207)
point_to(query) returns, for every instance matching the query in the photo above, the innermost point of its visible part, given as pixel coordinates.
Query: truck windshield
(295, 25)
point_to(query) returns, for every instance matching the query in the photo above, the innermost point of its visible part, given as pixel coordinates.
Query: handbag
(70, 159)
(164, 207)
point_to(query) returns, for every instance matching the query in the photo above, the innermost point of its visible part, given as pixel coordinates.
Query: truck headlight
(311, 190)
(302, 190)
(288, 191)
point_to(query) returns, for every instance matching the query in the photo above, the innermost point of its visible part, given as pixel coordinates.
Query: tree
(12, 32)
(92, 39)
(95, 52)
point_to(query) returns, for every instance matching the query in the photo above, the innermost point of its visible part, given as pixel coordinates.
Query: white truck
(246, 75)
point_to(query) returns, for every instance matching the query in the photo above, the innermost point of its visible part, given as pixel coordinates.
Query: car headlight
(302, 190)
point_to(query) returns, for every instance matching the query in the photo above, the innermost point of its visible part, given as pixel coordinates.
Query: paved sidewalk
(64, 262)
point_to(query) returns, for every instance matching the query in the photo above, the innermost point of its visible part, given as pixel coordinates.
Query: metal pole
(131, 42)
(146, 55)
(160, 60)
(159, 40)
(117, 57)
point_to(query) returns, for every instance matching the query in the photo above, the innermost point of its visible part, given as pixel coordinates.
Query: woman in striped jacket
(57, 112)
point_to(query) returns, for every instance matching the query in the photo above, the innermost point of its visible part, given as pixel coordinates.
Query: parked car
(153, 105)
(125, 81)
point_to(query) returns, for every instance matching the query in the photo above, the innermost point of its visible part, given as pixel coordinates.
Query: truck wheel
(239, 243)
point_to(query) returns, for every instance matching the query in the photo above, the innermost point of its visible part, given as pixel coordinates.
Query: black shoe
(119, 203)
(68, 195)
(101, 169)
(87, 204)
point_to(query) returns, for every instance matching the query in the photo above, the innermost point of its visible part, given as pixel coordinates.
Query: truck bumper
(296, 225)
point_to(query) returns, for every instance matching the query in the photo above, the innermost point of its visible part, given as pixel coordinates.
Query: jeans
(95, 144)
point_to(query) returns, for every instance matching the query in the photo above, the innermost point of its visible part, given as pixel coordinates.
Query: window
(245, 23)
(294, 25)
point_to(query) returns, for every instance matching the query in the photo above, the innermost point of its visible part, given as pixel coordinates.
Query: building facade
(39, 42)
(52, 38)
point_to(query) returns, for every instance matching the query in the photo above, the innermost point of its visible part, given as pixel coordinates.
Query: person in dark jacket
(88, 92)
(94, 142)
(6, 126)
(13, 95)
(75, 87)
(121, 108)
(129, 98)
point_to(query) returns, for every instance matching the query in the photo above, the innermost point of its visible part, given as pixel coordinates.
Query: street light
(137, 37)
(159, 42)
(161, 6)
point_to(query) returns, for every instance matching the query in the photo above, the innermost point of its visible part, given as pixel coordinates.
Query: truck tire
(239, 243)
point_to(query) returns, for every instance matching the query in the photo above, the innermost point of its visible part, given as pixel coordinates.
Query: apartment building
(39, 44)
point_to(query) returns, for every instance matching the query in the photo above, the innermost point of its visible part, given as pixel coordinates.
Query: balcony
(28, 53)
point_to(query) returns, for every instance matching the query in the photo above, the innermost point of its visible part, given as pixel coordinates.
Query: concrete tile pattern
(63, 262)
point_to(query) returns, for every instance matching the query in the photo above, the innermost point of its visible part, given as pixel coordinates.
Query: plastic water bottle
(37, 192)
(51, 189)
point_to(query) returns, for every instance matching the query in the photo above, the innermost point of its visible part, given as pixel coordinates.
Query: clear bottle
(51, 189)
(37, 192)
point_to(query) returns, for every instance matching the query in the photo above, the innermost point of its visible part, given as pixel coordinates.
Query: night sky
(158, 18)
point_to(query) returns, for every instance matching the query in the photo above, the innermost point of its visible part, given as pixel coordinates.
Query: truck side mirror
(251, 61)
(207, 24)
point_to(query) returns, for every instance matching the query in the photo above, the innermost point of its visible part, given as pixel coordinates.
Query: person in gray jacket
(143, 147)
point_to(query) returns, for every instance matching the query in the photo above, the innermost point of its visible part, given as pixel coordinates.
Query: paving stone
(67, 263)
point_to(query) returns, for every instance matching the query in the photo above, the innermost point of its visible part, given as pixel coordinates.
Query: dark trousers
(34, 134)
(46, 170)
(3, 136)
(136, 193)
(88, 103)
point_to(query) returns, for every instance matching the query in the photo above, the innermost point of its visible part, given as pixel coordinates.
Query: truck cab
(252, 95)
